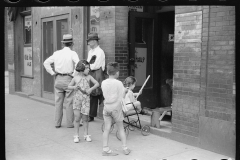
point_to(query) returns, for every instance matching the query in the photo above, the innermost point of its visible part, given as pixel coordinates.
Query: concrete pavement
(31, 135)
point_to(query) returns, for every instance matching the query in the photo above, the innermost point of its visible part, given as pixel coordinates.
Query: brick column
(187, 61)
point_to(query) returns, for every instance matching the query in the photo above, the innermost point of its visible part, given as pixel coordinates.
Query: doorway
(53, 29)
(165, 49)
(151, 48)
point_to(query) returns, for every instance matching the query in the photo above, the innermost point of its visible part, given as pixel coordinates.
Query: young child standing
(113, 92)
(81, 99)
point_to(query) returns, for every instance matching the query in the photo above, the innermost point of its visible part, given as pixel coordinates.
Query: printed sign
(28, 61)
(28, 22)
(140, 65)
(136, 8)
(94, 19)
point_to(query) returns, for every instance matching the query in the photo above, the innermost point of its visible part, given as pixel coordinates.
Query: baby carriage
(131, 124)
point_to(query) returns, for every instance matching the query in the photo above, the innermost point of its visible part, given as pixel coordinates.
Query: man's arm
(98, 62)
(47, 64)
(75, 60)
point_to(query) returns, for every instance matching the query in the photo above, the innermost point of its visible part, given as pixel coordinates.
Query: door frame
(132, 44)
(45, 94)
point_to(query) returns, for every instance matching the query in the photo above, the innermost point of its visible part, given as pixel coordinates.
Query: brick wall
(107, 32)
(187, 60)
(121, 45)
(220, 95)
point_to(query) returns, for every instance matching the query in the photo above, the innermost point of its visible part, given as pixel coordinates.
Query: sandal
(126, 151)
(109, 153)
(76, 139)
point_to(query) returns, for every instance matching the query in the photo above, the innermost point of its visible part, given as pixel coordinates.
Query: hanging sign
(136, 8)
(94, 18)
(140, 65)
(28, 61)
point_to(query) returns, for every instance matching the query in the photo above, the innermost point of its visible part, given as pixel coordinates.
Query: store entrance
(53, 29)
(165, 49)
(151, 48)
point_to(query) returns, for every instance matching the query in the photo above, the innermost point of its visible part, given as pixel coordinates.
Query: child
(81, 100)
(130, 98)
(113, 92)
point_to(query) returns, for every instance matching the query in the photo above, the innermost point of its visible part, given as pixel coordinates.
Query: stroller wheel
(145, 130)
(126, 132)
(132, 125)
(111, 129)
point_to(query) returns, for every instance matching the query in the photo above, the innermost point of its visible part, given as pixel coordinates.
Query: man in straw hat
(64, 61)
(96, 58)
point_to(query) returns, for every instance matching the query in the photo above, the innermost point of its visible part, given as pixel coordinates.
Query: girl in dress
(81, 100)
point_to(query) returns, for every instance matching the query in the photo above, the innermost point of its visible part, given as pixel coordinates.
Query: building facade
(188, 51)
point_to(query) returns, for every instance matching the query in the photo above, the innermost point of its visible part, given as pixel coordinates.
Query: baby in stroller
(130, 100)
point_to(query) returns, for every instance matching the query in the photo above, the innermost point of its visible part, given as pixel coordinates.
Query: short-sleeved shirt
(63, 60)
(113, 91)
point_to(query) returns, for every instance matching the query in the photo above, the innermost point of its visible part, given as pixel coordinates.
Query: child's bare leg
(107, 125)
(85, 124)
(123, 137)
(137, 104)
(121, 133)
(77, 118)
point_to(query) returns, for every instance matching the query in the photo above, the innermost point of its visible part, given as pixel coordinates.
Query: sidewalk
(31, 135)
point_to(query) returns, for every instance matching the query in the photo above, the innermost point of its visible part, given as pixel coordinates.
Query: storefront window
(27, 41)
(28, 29)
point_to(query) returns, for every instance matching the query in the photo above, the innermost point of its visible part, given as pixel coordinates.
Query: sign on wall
(136, 8)
(28, 61)
(94, 19)
(140, 65)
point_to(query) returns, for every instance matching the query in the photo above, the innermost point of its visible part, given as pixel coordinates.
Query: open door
(141, 42)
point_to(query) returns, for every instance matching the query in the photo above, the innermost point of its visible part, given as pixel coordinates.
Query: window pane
(62, 28)
(28, 28)
(47, 52)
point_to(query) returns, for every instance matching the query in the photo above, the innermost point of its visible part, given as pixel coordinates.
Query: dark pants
(94, 102)
(96, 96)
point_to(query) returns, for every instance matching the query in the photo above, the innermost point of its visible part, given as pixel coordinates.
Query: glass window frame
(24, 13)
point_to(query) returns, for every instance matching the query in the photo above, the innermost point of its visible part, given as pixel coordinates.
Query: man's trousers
(63, 93)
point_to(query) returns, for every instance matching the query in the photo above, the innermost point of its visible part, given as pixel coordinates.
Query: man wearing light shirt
(65, 60)
(96, 58)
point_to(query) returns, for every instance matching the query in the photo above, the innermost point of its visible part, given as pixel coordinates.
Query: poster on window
(28, 61)
(94, 19)
(28, 26)
(140, 65)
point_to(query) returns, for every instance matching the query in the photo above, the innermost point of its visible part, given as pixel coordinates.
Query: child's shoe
(109, 153)
(126, 151)
(87, 138)
(76, 139)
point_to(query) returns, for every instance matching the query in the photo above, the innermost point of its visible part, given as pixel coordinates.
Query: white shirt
(129, 97)
(100, 58)
(63, 61)
(113, 91)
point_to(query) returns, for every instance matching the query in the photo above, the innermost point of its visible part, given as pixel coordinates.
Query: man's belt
(64, 74)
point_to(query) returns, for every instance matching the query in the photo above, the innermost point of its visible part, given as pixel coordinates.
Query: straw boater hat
(93, 36)
(67, 38)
